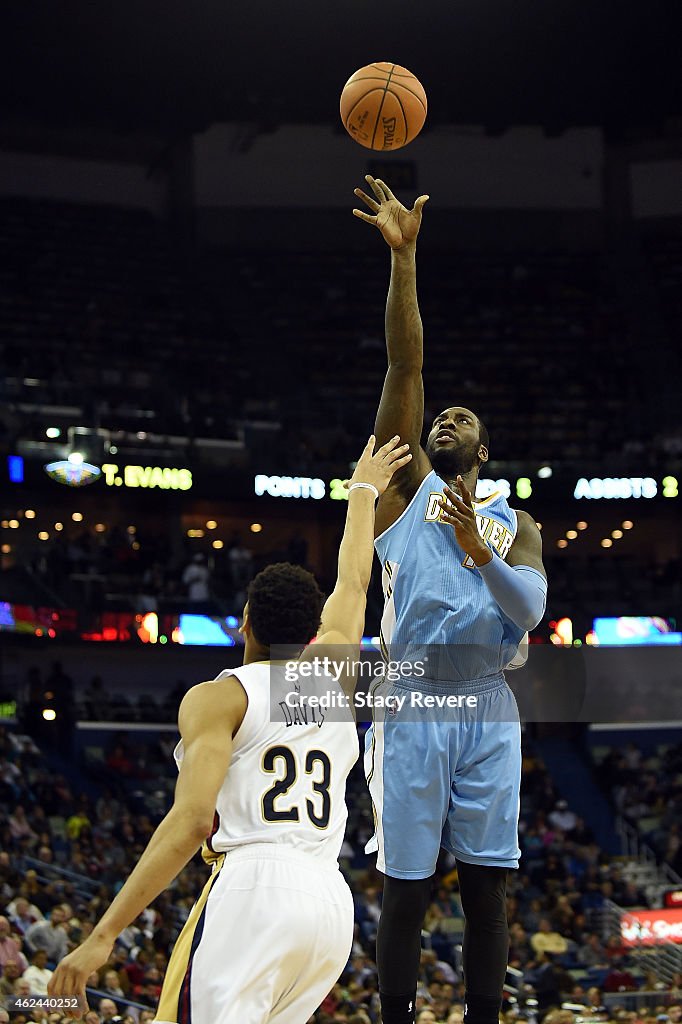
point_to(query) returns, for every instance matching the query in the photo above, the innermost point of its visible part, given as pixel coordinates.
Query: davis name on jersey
(435, 595)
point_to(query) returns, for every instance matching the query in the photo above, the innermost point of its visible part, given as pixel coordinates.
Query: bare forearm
(403, 325)
(169, 850)
(357, 545)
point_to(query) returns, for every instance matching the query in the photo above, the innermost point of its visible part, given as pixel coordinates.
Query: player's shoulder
(527, 546)
(525, 520)
(219, 699)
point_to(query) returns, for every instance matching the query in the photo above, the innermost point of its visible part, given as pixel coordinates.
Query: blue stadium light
(204, 631)
(15, 468)
(641, 630)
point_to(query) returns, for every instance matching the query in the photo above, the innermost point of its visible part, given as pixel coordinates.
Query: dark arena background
(191, 356)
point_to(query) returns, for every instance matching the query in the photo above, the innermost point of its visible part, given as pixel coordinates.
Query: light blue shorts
(445, 777)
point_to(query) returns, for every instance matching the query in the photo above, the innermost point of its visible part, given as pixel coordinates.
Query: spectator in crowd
(38, 973)
(19, 826)
(76, 824)
(10, 973)
(593, 952)
(546, 940)
(50, 935)
(112, 985)
(10, 949)
(594, 1000)
(619, 978)
(135, 969)
(23, 914)
(107, 1010)
(520, 951)
(550, 982)
(22, 987)
(196, 578)
(631, 896)
(562, 818)
(36, 895)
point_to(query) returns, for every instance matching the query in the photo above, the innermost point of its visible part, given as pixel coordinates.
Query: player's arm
(401, 408)
(209, 716)
(527, 546)
(343, 615)
(519, 584)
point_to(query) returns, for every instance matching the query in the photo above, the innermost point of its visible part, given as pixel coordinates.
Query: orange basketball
(383, 106)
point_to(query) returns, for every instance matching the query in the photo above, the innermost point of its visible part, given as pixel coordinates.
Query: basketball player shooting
(464, 580)
(273, 928)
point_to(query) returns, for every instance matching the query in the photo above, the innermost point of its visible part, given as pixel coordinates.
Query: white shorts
(265, 942)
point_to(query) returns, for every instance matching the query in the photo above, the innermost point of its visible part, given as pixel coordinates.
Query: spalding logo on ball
(383, 106)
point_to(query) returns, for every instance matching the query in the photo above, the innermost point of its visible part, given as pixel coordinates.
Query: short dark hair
(483, 435)
(285, 603)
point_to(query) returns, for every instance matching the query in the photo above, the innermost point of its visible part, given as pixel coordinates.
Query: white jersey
(286, 782)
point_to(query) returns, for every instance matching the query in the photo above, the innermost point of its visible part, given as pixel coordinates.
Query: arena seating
(101, 572)
(643, 782)
(101, 318)
(66, 845)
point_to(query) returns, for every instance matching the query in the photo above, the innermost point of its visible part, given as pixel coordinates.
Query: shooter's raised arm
(401, 409)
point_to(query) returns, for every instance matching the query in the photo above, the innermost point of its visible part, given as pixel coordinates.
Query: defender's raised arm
(343, 616)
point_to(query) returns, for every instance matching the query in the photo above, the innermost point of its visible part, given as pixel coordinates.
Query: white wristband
(369, 487)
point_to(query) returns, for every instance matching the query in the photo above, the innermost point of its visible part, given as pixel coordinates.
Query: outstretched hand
(377, 468)
(398, 225)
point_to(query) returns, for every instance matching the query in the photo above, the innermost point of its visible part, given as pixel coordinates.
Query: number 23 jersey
(286, 782)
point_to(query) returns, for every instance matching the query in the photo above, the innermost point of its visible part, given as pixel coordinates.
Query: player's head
(457, 442)
(283, 607)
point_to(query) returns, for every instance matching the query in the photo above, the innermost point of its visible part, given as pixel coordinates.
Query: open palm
(377, 467)
(398, 225)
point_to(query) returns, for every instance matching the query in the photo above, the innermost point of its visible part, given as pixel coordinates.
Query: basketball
(383, 106)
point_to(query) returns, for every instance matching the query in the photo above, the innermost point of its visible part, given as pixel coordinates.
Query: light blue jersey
(438, 606)
(440, 778)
